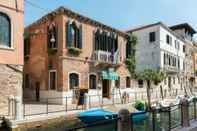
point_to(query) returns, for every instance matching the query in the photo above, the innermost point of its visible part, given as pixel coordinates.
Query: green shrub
(140, 105)
(74, 51)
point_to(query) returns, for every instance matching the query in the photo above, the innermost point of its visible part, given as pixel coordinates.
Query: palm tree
(150, 76)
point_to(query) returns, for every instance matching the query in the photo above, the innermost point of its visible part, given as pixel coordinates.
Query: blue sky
(122, 14)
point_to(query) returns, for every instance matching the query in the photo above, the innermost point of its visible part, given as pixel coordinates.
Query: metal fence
(161, 119)
(31, 107)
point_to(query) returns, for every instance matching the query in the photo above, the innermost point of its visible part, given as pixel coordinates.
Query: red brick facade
(39, 62)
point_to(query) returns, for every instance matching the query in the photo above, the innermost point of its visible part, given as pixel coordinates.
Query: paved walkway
(193, 127)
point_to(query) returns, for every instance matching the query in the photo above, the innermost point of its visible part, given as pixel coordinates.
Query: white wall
(147, 54)
(164, 47)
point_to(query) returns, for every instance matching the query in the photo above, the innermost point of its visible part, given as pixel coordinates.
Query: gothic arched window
(5, 30)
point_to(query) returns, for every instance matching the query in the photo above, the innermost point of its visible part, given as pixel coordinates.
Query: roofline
(143, 27)
(77, 16)
(193, 31)
(155, 24)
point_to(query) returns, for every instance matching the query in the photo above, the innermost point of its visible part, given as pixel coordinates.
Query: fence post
(23, 110)
(66, 104)
(153, 118)
(86, 101)
(124, 123)
(47, 106)
(90, 102)
(135, 96)
(169, 116)
(185, 113)
(194, 100)
(113, 98)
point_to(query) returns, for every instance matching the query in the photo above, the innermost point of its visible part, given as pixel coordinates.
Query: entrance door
(106, 88)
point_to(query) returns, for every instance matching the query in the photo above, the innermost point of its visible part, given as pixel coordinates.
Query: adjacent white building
(160, 48)
(187, 32)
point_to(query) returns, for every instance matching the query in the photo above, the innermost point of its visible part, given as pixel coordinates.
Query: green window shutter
(68, 34)
(80, 33)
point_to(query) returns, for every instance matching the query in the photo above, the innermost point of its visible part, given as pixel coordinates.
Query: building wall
(13, 55)
(164, 47)
(38, 61)
(11, 59)
(147, 55)
(151, 55)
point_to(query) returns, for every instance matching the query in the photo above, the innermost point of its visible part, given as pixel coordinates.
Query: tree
(150, 76)
(131, 50)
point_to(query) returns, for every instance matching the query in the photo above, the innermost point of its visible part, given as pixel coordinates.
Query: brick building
(11, 51)
(65, 51)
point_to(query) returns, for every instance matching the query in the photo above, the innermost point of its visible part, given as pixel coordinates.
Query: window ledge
(6, 48)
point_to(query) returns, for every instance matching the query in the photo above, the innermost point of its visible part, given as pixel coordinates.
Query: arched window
(92, 81)
(5, 30)
(74, 35)
(52, 36)
(73, 80)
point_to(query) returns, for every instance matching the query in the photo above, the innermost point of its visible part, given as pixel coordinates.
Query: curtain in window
(5, 30)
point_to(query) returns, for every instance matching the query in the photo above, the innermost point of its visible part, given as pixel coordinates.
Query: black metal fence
(31, 107)
(161, 119)
(69, 103)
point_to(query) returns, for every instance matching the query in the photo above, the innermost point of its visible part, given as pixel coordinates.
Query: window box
(74, 51)
(52, 51)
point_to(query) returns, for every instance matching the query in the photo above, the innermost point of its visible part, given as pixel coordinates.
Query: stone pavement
(193, 127)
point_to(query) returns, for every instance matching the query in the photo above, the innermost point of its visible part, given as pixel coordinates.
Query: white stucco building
(187, 32)
(160, 48)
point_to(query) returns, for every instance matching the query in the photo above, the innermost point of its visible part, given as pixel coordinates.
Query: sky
(121, 14)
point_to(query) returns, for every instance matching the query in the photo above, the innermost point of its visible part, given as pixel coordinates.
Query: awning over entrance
(109, 75)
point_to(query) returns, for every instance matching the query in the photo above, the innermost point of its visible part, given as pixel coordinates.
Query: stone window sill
(6, 48)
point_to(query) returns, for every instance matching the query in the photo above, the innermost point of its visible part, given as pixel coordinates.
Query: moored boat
(96, 115)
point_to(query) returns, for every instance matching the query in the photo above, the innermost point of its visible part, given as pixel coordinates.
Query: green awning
(109, 75)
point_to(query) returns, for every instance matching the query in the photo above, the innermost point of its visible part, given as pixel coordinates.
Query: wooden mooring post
(185, 113)
(124, 123)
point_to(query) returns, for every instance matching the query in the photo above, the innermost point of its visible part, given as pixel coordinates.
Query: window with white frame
(92, 81)
(5, 31)
(74, 35)
(168, 39)
(52, 79)
(73, 80)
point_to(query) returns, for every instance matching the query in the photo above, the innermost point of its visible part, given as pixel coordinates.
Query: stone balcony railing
(171, 69)
(106, 57)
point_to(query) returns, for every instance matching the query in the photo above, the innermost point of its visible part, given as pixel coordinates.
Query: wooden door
(106, 88)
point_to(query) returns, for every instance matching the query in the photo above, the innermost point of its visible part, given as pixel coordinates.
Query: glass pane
(4, 30)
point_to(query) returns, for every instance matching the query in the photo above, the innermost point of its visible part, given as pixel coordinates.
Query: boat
(96, 115)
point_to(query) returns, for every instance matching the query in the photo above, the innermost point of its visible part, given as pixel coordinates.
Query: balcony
(106, 57)
(171, 69)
